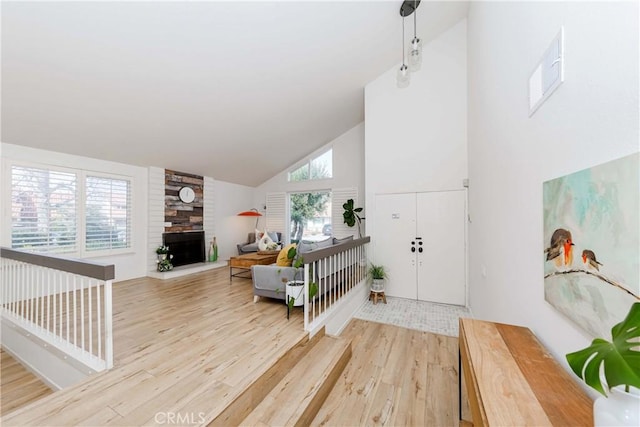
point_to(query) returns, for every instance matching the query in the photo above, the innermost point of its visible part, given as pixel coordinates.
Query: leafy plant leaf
(313, 289)
(621, 362)
(290, 303)
(350, 214)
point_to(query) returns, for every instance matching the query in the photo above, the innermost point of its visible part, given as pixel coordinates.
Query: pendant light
(403, 78)
(415, 54)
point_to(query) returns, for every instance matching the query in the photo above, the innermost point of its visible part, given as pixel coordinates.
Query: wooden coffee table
(244, 263)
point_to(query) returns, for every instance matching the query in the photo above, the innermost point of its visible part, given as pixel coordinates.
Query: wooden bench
(512, 380)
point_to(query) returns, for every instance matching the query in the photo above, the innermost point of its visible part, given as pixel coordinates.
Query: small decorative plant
(162, 250)
(165, 265)
(377, 275)
(620, 359)
(351, 215)
(298, 264)
(377, 272)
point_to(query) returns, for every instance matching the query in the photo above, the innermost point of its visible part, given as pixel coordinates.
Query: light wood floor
(184, 345)
(18, 386)
(396, 377)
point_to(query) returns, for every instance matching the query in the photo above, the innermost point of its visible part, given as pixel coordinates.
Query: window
(310, 215)
(320, 167)
(107, 213)
(43, 210)
(56, 211)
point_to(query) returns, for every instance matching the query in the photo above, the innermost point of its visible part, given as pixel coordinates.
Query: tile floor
(420, 315)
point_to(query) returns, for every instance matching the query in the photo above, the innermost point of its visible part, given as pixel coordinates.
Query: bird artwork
(560, 249)
(589, 260)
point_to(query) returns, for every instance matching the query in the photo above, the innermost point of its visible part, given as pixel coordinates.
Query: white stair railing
(65, 303)
(335, 271)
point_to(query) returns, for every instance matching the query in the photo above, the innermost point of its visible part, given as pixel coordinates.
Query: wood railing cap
(318, 254)
(96, 270)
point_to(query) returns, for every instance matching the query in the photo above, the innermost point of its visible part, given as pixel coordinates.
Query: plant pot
(377, 285)
(619, 409)
(295, 289)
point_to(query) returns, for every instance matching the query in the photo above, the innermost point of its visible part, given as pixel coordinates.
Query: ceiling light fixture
(403, 78)
(415, 55)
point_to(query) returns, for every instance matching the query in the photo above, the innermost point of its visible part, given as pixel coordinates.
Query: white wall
(592, 118)
(348, 170)
(416, 138)
(127, 266)
(231, 229)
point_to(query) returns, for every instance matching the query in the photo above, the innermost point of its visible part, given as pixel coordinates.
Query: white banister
(64, 303)
(336, 271)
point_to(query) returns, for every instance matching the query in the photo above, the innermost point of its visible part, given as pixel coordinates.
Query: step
(296, 399)
(262, 383)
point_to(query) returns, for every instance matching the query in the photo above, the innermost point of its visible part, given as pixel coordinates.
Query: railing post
(108, 325)
(306, 297)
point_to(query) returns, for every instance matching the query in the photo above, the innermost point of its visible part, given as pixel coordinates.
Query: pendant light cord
(403, 40)
(415, 8)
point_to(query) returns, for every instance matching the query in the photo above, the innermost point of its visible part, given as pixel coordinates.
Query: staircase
(292, 391)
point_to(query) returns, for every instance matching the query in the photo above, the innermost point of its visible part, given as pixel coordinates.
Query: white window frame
(288, 208)
(81, 179)
(307, 163)
(94, 253)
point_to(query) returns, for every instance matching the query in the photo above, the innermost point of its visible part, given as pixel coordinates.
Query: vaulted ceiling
(233, 90)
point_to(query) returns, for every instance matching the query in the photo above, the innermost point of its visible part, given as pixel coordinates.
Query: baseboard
(187, 269)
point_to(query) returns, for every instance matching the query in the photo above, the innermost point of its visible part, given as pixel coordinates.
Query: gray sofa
(251, 246)
(270, 280)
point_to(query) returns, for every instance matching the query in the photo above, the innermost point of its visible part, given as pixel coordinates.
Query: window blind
(107, 213)
(43, 210)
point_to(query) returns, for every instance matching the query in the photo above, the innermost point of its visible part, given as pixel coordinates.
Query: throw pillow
(273, 235)
(344, 239)
(265, 242)
(283, 260)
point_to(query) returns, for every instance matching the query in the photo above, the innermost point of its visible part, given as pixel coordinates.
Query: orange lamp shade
(250, 213)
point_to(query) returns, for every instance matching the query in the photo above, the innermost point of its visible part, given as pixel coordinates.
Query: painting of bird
(561, 244)
(589, 259)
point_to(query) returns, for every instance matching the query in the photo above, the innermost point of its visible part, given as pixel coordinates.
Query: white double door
(420, 238)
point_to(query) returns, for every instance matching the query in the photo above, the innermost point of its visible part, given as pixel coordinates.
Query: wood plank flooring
(396, 377)
(187, 345)
(18, 386)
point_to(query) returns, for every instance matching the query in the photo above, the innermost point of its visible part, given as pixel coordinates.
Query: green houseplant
(164, 260)
(351, 215)
(377, 276)
(295, 287)
(619, 362)
(162, 250)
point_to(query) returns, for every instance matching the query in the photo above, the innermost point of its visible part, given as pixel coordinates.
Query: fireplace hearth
(186, 247)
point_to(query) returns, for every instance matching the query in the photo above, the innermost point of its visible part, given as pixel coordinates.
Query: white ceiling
(233, 90)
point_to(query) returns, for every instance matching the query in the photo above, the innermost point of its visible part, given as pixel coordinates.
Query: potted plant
(377, 276)
(619, 362)
(162, 250)
(295, 288)
(351, 215)
(164, 259)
